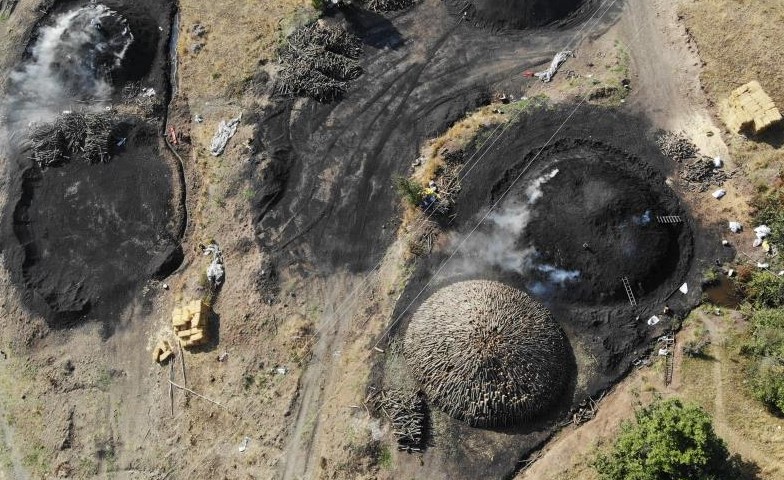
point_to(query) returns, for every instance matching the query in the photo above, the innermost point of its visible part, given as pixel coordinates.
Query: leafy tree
(668, 441)
(409, 190)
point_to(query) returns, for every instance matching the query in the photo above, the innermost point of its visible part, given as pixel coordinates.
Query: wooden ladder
(669, 219)
(629, 293)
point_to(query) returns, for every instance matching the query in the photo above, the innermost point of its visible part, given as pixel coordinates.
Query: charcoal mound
(487, 353)
(597, 221)
(88, 234)
(519, 14)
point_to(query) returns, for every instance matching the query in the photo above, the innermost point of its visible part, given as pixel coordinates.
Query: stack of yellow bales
(190, 322)
(749, 108)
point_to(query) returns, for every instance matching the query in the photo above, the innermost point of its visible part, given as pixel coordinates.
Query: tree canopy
(667, 441)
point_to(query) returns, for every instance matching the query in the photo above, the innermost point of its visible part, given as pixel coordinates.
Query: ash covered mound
(518, 14)
(601, 218)
(487, 353)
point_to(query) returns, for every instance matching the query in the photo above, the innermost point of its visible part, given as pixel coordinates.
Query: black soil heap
(487, 353)
(597, 219)
(519, 13)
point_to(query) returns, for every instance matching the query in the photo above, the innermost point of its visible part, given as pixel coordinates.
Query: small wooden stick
(198, 395)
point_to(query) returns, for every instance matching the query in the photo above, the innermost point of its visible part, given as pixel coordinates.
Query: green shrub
(667, 440)
(767, 385)
(409, 190)
(765, 289)
(767, 334)
(766, 346)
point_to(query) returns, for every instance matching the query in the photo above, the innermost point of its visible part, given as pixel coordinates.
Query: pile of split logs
(408, 414)
(699, 174)
(88, 135)
(318, 61)
(676, 146)
(388, 5)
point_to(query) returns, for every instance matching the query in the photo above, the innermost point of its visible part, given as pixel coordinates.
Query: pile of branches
(408, 414)
(676, 146)
(388, 5)
(88, 135)
(318, 61)
(701, 174)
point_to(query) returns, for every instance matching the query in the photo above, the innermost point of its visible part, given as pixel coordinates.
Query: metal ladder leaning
(629, 292)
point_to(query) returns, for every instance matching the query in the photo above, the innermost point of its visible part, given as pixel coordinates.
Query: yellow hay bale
(749, 108)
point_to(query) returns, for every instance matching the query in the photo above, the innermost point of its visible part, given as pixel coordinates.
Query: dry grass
(740, 41)
(240, 35)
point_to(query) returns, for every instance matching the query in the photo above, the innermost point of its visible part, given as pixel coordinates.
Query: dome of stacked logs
(487, 353)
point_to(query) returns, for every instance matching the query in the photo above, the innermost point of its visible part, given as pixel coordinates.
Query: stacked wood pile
(318, 61)
(408, 414)
(388, 5)
(487, 353)
(88, 135)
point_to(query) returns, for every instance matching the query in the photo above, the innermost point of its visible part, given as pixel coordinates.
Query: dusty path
(298, 463)
(667, 66)
(18, 472)
(737, 442)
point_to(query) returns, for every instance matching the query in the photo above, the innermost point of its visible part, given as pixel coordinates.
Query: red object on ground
(528, 73)
(172, 136)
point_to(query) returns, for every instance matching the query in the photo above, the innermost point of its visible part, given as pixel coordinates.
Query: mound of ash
(518, 14)
(319, 60)
(600, 218)
(487, 353)
(85, 135)
(88, 234)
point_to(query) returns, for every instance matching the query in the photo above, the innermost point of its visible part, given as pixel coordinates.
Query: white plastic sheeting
(558, 60)
(226, 130)
(736, 227)
(762, 231)
(215, 272)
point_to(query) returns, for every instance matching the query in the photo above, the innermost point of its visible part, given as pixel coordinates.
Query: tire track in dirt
(298, 461)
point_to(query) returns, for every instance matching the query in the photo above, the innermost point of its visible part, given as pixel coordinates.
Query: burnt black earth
(82, 238)
(519, 14)
(597, 221)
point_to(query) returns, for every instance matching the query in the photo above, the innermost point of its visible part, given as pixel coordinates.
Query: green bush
(767, 334)
(409, 190)
(667, 440)
(765, 289)
(766, 346)
(767, 385)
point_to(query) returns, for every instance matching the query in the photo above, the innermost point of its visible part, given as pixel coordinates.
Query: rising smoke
(495, 245)
(70, 66)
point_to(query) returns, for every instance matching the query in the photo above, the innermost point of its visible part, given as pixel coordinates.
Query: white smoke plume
(495, 245)
(69, 66)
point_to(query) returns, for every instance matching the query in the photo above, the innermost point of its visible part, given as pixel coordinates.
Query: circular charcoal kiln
(487, 354)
